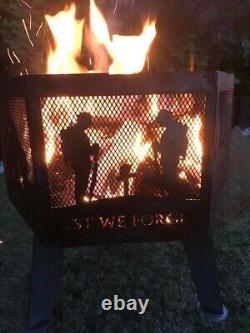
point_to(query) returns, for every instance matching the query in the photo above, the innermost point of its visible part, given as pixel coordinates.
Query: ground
(157, 271)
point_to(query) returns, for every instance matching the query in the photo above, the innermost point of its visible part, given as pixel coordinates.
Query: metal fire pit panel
(129, 194)
(17, 151)
(121, 123)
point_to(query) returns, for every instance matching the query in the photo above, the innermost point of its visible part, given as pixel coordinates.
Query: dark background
(216, 33)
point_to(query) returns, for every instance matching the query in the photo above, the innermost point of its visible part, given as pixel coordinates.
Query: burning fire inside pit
(131, 158)
(104, 153)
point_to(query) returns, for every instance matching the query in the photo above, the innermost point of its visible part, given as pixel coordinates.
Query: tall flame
(127, 53)
(67, 33)
(98, 25)
(141, 149)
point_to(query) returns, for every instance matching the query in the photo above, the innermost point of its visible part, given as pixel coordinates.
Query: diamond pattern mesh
(136, 153)
(20, 149)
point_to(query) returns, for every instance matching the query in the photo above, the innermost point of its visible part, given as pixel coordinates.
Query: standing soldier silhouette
(172, 145)
(77, 151)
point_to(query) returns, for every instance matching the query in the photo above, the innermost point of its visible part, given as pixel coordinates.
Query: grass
(157, 271)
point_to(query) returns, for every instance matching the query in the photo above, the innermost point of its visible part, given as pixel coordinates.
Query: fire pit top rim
(105, 75)
(105, 84)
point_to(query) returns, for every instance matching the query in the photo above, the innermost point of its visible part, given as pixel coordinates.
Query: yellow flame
(141, 149)
(98, 25)
(153, 106)
(67, 33)
(129, 52)
(192, 162)
(62, 109)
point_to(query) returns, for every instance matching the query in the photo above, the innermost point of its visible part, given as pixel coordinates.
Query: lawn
(157, 271)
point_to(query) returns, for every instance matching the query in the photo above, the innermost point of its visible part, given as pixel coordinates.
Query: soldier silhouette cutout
(172, 145)
(78, 152)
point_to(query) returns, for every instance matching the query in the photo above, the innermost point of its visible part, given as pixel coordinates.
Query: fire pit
(125, 175)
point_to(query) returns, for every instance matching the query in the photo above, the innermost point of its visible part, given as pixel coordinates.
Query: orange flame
(192, 162)
(128, 53)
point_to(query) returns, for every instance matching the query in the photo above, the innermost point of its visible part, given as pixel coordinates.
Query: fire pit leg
(46, 270)
(201, 259)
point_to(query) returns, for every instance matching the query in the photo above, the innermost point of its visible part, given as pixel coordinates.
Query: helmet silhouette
(84, 120)
(164, 117)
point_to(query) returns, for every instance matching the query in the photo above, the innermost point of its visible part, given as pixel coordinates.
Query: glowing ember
(25, 3)
(11, 60)
(86, 199)
(27, 33)
(39, 29)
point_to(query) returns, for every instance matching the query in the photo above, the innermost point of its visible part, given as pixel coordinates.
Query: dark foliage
(214, 34)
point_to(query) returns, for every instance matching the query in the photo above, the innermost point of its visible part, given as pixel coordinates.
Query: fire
(153, 109)
(99, 26)
(67, 33)
(192, 162)
(141, 150)
(128, 53)
(115, 54)
(125, 147)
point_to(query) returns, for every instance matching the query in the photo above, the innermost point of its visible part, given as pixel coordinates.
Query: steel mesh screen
(20, 156)
(132, 153)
